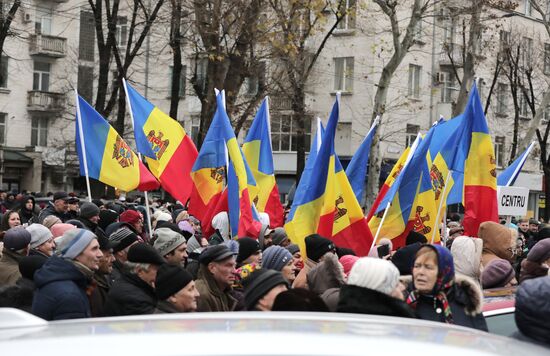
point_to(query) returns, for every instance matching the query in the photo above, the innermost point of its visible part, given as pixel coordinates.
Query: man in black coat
(134, 292)
(58, 207)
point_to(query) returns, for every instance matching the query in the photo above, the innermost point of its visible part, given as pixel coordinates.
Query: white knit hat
(39, 234)
(374, 273)
(164, 217)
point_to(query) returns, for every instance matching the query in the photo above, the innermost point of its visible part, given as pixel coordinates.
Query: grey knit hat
(88, 210)
(275, 257)
(73, 243)
(39, 234)
(167, 240)
(293, 248)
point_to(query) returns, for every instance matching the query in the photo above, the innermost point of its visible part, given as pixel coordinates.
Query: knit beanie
(144, 253)
(59, 229)
(374, 273)
(122, 238)
(414, 237)
(50, 221)
(247, 247)
(497, 274)
(293, 248)
(403, 258)
(275, 257)
(259, 283)
(73, 243)
(279, 236)
(88, 210)
(317, 246)
(16, 238)
(540, 252)
(30, 264)
(164, 217)
(107, 217)
(170, 280)
(39, 234)
(347, 262)
(167, 240)
(130, 216)
(543, 233)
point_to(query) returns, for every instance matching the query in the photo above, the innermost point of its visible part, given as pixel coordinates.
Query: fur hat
(374, 273)
(39, 234)
(167, 240)
(317, 246)
(275, 257)
(17, 238)
(497, 273)
(73, 243)
(170, 280)
(88, 210)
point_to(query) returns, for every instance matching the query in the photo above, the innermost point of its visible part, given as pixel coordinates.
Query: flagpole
(441, 205)
(147, 212)
(82, 146)
(380, 225)
(520, 165)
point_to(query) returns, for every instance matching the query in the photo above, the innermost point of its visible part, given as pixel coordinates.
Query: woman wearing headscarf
(436, 294)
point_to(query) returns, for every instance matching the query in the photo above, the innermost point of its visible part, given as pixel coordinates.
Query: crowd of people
(78, 260)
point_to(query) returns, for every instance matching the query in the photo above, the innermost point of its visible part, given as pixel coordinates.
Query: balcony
(50, 46)
(43, 101)
(451, 51)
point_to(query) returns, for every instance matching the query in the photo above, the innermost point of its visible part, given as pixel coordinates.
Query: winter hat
(496, 239)
(50, 221)
(167, 240)
(347, 262)
(247, 247)
(279, 236)
(374, 273)
(293, 248)
(170, 280)
(543, 233)
(73, 243)
(39, 234)
(60, 195)
(164, 217)
(259, 283)
(404, 258)
(88, 210)
(76, 223)
(215, 254)
(30, 264)
(17, 238)
(143, 253)
(317, 246)
(107, 217)
(220, 222)
(232, 245)
(122, 238)
(185, 226)
(104, 243)
(466, 253)
(299, 299)
(414, 236)
(540, 252)
(275, 257)
(98, 202)
(59, 229)
(532, 312)
(130, 216)
(343, 251)
(497, 273)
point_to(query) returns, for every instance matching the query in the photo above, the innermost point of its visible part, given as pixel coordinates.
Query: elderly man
(122, 239)
(41, 241)
(171, 245)
(62, 282)
(16, 246)
(89, 216)
(176, 290)
(215, 278)
(261, 288)
(102, 276)
(134, 292)
(58, 207)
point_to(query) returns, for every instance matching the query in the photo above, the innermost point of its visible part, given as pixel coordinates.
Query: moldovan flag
(107, 157)
(480, 182)
(169, 151)
(258, 153)
(508, 176)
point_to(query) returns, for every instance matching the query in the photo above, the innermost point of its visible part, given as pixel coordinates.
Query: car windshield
(502, 324)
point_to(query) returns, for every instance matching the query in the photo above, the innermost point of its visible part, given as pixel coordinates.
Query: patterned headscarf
(445, 281)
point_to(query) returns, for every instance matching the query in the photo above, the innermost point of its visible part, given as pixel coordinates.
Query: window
(499, 151)
(528, 8)
(417, 35)
(502, 98)
(448, 87)
(39, 132)
(523, 106)
(414, 81)
(121, 34)
(350, 11)
(504, 41)
(86, 39)
(201, 73)
(343, 74)
(41, 76)
(4, 72)
(182, 81)
(43, 23)
(195, 127)
(526, 52)
(256, 79)
(449, 29)
(284, 133)
(85, 82)
(546, 115)
(547, 58)
(3, 118)
(411, 133)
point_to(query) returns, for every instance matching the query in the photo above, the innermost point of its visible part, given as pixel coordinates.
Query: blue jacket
(61, 291)
(533, 311)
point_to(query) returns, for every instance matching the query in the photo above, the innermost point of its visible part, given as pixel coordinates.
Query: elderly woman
(537, 261)
(436, 294)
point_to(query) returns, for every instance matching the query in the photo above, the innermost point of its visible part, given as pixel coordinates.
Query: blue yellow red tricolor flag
(508, 176)
(108, 158)
(169, 151)
(257, 150)
(327, 204)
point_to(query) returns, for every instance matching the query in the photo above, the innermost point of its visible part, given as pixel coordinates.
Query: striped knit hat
(73, 242)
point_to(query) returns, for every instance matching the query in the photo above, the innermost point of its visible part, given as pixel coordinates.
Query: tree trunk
(546, 193)
(175, 44)
(121, 112)
(299, 112)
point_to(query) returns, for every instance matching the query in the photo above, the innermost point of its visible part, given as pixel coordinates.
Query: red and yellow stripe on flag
(169, 151)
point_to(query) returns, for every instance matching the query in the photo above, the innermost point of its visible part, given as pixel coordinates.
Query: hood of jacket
(327, 274)
(58, 269)
(466, 253)
(497, 241)
(533, 309)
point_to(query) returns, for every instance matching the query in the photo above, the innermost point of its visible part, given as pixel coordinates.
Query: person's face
(223, 271)
(254, 259)
(61, 206)
(94, 219)
(106, 262)
(14, 220)
(399, 291)
(47, 247)
(425, 273)
(3, 195)
(29, 204)
(524, 226)
(150, 275)
(178, 256)
(289, 272)
(297, 261)
(139, 225)
(533, 227)
(185, 300)
(266, 302)
(90, 256)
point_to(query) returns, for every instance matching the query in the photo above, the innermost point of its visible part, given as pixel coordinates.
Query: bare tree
(176, 38)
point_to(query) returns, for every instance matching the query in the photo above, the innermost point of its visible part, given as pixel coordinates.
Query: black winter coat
(533, 311)
(354, 299)
(465, 299)
(130, 295)
(61, 291)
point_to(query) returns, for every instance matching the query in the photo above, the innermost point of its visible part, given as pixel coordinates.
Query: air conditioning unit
(441, 77)
(27, 17)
